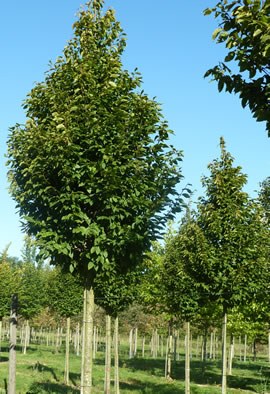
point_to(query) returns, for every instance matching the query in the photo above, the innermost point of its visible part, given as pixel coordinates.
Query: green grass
(41, 370)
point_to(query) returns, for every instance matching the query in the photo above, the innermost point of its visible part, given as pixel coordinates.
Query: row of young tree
(216, 263)
(218, 260)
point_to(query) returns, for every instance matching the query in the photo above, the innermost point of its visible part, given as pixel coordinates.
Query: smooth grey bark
(77, 340)
(95, 342)
(224, 355)
(12, 345)
(197, 346)
(82, 341)
(66, 375)
(240, 348)
(245, 349)
(87, 348)
(187, 359)
(254, 350)
(57, 341)
(131, 343)
(135, 341)
(116, 356)
(143, 346)
(214, 345)
(168, 358)
(211, 345)
(175, 346)
(107, 381)
(154, 344)
(231, 355)
(26, 336)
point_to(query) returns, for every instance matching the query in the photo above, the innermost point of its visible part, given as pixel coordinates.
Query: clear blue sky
(170, 42)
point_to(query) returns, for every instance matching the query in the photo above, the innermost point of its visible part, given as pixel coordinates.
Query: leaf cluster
(64, 293)
(244, 30)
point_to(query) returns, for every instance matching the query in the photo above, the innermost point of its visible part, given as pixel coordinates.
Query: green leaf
(216, 33)
(257, 32)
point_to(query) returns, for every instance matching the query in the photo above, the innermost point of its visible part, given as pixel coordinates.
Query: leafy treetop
(233, 228)
(91, 170)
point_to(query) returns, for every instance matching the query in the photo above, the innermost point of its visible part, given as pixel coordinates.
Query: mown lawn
(41, 370)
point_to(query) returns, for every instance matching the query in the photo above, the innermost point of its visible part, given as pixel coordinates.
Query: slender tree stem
(187, 359)
(66, 378)
(224, 354)
(87, 351)
(116, 356)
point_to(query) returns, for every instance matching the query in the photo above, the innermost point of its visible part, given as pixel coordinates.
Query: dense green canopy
(91, 170)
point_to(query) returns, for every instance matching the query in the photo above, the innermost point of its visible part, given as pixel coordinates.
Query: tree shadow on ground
(51, 388)
(150, 388)
(74, 378)
(152, 366)
(207, 373)
(3, 359)
(43, 368)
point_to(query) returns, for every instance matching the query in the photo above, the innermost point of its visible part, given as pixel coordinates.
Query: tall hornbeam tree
(180, 292)
(91, 170)
(232, 225)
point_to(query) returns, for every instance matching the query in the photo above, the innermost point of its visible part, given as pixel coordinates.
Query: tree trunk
(116, 356)
(95, 342)
(224, 354)
(168, 360)
(214, 344)
(77, 340)
(231, 355)
(107, 382)
(82, 341)
(57, 341)
(205, 345)
(154, 343)
(197, 346)
(26, 336)
(190, 347)
(175, 346)
(87, 351)
(161, 346)
(245, 349)
(240, 348)
(66, 376)
(254, 350)
(131, 343)
(187, 359)
(143, 345)
(211, 346)
(204, 350)
(12, 346)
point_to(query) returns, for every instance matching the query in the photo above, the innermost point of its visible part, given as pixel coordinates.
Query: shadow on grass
(3, 359)
(43, 368)
(74, 378)
(252, 377)
(52, 388)
(152, 366)
(150, 388)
